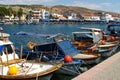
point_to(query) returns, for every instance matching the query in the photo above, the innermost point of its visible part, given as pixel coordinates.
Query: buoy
(12, 70)
(102, 42)
(67, 58)
(112, 38)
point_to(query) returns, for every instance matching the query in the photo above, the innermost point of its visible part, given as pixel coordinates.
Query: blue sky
(105, 5)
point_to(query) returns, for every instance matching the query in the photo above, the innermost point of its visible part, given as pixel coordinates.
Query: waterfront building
(23, 17)
(91, 17)
(8, 19)
(40, 14)
(105, 16)
(58, 16)
(70, 15)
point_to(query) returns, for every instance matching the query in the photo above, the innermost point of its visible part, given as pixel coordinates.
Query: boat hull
(109, 53)
(37, 70)
(92, 61)
(71, 68)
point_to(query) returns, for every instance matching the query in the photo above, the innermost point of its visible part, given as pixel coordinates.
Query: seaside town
(59, 42)
(43, 15)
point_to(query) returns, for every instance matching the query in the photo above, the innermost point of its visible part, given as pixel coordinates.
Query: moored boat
(95, 40)
(12, 66)
(65, 47)
(49, 52)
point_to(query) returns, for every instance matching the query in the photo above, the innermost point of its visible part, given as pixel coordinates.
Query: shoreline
(60, 22)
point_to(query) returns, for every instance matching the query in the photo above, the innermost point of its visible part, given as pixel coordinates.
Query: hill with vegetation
(60, 9)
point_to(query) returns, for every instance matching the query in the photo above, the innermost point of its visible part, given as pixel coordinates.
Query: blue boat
(55, 51)
(62, 48)
(52, 52)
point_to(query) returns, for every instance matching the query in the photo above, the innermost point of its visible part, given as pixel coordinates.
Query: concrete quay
(109, 69)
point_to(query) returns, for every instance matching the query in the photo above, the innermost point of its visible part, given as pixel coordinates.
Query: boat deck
(106, 70)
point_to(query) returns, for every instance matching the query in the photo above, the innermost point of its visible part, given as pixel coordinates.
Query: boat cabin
(93, 35)
(7, 51)
(56, 50)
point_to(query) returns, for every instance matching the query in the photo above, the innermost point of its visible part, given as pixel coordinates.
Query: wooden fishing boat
(27, 70)
(49, 52)
(12, 66)
(95, 40)
(94, 36)
(64, 47)
(61, 43)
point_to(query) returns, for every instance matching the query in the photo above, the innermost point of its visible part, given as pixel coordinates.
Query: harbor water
(66, 29)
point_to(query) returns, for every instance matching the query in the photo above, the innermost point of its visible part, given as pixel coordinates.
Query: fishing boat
(59, 46)
(94, 39)
(14, 67)
(48, 52)
(94, 35)
(69, 49)
(64, 47)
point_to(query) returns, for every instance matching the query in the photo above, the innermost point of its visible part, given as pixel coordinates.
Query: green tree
(15, 13)
(51, 17)
(29, 14)
(3, 12)
(10, 11)
(20, 13)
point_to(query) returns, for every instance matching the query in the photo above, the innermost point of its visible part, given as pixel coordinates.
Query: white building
(106, 17)
(92, 18)
(58, 16)
(40, 14)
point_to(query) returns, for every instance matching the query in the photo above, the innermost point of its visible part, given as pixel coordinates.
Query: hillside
(59, 9)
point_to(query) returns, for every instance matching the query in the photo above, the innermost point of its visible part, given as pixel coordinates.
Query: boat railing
(9, 58)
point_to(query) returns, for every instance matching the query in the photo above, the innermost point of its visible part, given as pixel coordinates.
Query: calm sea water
(66, 29)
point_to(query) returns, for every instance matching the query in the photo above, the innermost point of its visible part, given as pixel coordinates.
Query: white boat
(13, 66)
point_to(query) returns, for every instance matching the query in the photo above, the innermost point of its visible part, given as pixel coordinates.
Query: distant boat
(13, 67)
(114, 29)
